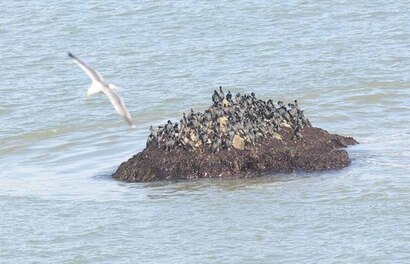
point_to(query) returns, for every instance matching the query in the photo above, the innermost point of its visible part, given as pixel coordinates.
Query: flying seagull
(99, 85)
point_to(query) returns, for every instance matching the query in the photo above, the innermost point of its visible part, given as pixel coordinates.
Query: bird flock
(243, 117)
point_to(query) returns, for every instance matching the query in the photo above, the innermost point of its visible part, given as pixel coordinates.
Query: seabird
(229, 97)
(297, 133)
(222, 94)
(99, 85)
(238, 98)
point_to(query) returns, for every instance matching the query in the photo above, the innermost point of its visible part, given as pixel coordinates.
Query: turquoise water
(347, 63)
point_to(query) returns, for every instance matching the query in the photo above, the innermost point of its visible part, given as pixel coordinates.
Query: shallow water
(347, 63)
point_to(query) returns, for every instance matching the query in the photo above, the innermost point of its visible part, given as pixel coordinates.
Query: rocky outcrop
(316, 150)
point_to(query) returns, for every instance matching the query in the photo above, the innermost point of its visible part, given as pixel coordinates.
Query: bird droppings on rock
(238, 142)
(244, 137)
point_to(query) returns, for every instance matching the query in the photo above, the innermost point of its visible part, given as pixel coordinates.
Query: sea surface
(347, 62)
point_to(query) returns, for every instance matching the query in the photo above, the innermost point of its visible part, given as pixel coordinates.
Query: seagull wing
(119, 105)
(93, 74)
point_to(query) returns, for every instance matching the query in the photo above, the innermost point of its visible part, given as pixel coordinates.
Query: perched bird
(216, 99)
(99, 85)
(150, 140)
(229, 97)
(168, 126)
(169, 143)
(208, 115)
(296, 105)
(216, 144)
(184, 118)
(238, 98)
(297, 133)
(153, 133)
(222, 94)
(304, 119)
(228, 143)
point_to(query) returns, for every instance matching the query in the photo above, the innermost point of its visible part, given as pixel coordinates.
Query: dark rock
(318, 150)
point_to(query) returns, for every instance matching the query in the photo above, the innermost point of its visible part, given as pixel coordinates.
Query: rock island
(237, 136)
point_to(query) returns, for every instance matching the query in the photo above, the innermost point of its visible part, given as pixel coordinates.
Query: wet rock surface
(318, 150)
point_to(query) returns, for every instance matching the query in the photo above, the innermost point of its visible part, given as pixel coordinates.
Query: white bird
(99, 85)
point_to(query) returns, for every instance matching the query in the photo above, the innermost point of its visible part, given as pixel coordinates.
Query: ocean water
(347, 62)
